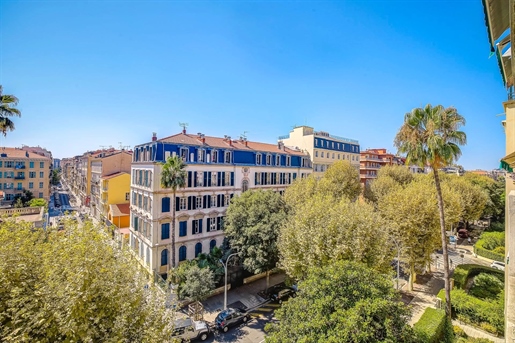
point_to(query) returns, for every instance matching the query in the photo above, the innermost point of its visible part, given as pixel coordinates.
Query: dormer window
(258, 159)
(214, 155)
(268, 159)
(201, 155)
(228, 157)
(277, 160)
(288, 161)
(184, 154)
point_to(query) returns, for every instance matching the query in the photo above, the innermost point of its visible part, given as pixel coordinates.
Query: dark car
(230, 317)
(283, 294)
(463, 233)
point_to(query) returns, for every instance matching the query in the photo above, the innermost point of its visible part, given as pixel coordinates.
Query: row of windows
(334, 145)
(142, 177)
(274, 178)
(32, 175)
(143, 226)
(10, 197)
(19, 185)
(269, 159)
(210, 179)
(196, 202)
(19, 165)
(337, 156)
(141, 201)
(183, 252)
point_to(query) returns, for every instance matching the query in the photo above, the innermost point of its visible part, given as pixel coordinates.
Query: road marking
(273, 305)
(263, 309)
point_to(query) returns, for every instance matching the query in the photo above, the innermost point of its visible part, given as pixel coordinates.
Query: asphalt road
(251, 332)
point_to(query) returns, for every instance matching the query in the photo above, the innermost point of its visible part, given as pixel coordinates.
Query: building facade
(323, 149)
(22, 170)
(372, 160)
(217, 170)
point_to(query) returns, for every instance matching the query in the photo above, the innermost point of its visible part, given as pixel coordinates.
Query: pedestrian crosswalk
(263, 310)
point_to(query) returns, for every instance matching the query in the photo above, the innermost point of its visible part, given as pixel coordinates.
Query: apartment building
(371, 160)
(21, 169)
(323, 148)
(217, 170)
(501, 27)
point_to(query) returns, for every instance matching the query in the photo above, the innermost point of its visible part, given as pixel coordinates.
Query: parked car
(188, 329)
(497, 265)
(283, 294)
(463, 233)
(230, 317)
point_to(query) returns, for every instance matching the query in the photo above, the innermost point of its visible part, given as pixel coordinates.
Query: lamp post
(225, 267)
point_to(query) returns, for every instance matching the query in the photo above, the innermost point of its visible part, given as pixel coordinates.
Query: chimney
(280, 145)
(184, 130)
(201, 137)
(154, 136)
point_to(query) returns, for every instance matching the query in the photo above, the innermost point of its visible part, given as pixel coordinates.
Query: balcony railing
(19, 177)
(20, 167)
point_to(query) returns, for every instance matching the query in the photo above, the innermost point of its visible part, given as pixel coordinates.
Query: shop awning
(497, 19)
(508, 162)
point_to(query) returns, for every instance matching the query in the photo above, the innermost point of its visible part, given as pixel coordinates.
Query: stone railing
(21, 211)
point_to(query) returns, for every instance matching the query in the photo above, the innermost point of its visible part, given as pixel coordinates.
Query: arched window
(212, 244)
(244, 186)
(182, 253)
(198, 249)
(164, 257)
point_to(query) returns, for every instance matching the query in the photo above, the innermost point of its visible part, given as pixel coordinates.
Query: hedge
(463, 272)
(433, 326)
(478, 250)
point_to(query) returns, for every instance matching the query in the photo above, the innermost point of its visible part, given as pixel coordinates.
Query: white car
(188, 329)
(497, 265)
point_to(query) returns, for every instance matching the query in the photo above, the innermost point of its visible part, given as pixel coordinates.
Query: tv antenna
(103, 146)
(244, 134)
(184, 126)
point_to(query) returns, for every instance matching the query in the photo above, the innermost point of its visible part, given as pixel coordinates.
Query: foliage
(322, 230)
(495, 191)
(496, 227)
(459, 332)
(38, 202)
(472, 198)
(252, 226)
(433, 327)
(194, 282)
(486, 286)
(75, 286)
(55, 177)
(487, 246)
(431, 136)
(411, 218)
(173, 176)
(464, 272)
(341, 180)
(388, 179)
(342, 302)
(7, 109)
(299, 191)
(212, 261)
(487, 314)
(23, 199)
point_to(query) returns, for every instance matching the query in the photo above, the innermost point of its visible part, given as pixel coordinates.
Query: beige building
(22, 170)
(501, 29)
(323, 149)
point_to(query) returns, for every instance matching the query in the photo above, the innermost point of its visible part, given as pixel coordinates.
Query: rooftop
(19, 153)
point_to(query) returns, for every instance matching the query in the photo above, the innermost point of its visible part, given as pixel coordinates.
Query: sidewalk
(246, 295)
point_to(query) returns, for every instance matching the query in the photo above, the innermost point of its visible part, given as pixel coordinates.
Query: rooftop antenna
(244, 135)
(184, 126)
(103, 146)
(120, 146)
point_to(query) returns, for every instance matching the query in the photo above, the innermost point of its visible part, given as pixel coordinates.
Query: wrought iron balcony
(19, 177)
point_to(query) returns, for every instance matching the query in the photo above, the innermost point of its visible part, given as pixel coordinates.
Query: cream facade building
(323, 148)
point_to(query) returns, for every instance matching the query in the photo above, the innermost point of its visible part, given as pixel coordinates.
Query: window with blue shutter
(294, 176)
(208, 225)
(200, 226)
(205, 201)
(212, 244)
(165, 231)
(183, 228)
(232, 178)
(182, 253)
(198, 249)
(195, 179)
(165, 205)
(177, 203)
(189, 179)
(164, 257)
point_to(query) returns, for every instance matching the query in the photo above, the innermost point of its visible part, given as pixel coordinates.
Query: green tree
(38, 202)
(252, 226)
(173, 175)
(321, 231)
(431, 136)
(194, 282)
(341, 180)
(75, 286)
(55, 177)
(495, 190)
(342, 302)
(7, 109)
(23, 199)
(473, 199)
(388, 179)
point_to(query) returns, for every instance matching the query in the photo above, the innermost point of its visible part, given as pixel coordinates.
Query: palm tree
(173, 175)
(430, 136)
(7, 109)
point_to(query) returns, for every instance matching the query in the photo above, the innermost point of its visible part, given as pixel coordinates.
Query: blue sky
(96, 73)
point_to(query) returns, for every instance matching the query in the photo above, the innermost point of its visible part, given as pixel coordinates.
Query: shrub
(432, 326)
(465, 271)
(486, 286)
(458, 332)
(496, 227)
(487, 314)
(500, 251)
(478, 250)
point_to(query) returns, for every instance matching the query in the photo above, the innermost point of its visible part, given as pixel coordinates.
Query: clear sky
(96, 73)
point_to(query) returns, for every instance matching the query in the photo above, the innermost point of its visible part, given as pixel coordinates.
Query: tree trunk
(444, 245)
(267, 280)
(412, 276)
(172, 252)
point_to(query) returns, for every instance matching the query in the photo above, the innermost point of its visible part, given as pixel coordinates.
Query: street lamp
(225, 267)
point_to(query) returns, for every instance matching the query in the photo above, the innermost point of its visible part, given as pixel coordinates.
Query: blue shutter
(205, 201)
(209, 201)
(232, 178)
(183, 229)
(182, 253)
(189, 203)
(212, 244)
(189, 179)
(198, 249)
(165, 231)
(164, 257)
(222, 197)
(255, 179)
(200, 225)
(193, 227)
(194, 179)
(208, 222)
(218, 199)
(177, 202)
(165, 205)
(294, 176)
(205, 179)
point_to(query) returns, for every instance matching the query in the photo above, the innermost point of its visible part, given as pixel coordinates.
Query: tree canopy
(342, 302)
(76, 286)
(341, 180)
(252, 226)
(7, 109)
